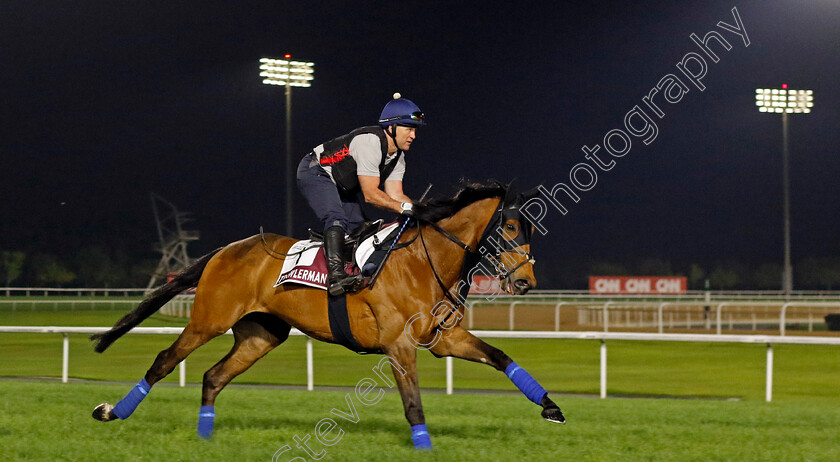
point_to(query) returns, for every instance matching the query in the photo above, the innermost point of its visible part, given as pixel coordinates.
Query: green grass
(802, 372)
(51, 421)
(83, 316)
(67, 303)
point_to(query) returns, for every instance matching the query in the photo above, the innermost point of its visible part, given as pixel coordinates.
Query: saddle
(367, 229)
(307, 266)
(351, 242)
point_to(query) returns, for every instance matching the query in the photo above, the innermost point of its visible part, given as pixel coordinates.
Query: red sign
(637, 284)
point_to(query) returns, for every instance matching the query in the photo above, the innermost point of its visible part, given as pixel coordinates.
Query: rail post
(449, 375)
(659, 315)
(768, 390)
(607, 316)
(310, 373)
(470, 316)
(603, 369)
(65, 358)
(510, 314)
(782, 316)
(557, 316)
(717, 316)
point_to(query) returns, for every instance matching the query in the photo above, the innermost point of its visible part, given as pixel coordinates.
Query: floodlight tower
(785, 101)
(289, 74)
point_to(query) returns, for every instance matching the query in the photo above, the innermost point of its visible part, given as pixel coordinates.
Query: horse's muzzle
(521, 286)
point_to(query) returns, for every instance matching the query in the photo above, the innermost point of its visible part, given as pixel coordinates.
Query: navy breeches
(322, 195)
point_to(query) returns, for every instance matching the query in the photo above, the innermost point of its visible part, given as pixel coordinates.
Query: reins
(449, 236)
(443, 287)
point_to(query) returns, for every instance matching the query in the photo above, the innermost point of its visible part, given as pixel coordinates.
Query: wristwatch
(406, 206)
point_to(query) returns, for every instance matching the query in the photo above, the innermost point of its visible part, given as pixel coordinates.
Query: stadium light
(785, 101)
(288, 73)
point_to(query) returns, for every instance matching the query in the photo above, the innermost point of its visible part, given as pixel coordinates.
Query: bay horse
(411, 306)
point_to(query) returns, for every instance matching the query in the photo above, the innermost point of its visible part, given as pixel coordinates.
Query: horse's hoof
(553, 414)
(104, 413)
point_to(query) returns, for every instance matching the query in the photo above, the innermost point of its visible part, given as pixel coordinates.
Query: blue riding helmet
(401, 111)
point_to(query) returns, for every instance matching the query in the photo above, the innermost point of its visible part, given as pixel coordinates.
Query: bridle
(521, 239)
(500, 217)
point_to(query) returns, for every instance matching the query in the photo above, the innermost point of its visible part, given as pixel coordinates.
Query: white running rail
(769, 340)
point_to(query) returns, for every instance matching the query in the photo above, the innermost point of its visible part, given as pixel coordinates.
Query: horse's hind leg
(459, 343)
(254, 335)
(191, 338)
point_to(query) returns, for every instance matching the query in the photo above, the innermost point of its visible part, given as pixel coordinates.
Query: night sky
(105, 102)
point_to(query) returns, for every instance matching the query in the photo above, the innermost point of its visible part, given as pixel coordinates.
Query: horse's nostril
(521, 284)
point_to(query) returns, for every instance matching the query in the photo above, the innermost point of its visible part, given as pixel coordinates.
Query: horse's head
(506, 240)
(511, 232)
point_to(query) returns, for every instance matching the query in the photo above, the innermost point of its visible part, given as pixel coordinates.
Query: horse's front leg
(403, 359)
(459, 343)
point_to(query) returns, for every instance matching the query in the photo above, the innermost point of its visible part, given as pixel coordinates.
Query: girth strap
(340, 324)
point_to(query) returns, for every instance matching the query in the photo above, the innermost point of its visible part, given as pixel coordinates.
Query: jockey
(341, 173)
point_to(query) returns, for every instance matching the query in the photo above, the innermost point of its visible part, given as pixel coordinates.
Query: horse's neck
(467, 225)
(469, 222)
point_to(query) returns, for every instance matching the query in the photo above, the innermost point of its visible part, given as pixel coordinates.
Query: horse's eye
(510, 227)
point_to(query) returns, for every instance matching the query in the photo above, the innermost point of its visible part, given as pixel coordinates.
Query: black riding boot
(340, 281)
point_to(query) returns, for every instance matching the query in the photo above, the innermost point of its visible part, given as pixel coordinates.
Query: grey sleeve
(367, 152)
(399, 170)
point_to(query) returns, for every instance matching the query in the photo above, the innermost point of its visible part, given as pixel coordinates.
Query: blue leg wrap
(420, 437)
(205, 421)
(526, 384)
(127, 405)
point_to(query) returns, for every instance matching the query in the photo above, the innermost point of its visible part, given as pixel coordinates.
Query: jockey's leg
(353, 212)
(322, 195)
(340, 280)
(459, 343)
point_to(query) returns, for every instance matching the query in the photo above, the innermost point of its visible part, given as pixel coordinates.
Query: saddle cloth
(309, 267)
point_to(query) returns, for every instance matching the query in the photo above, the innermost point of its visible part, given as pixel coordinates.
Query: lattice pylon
(173, 239)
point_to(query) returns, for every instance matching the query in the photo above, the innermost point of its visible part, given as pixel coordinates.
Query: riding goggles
(418, 117)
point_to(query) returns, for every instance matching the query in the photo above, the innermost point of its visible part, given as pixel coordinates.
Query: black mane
(437, 209)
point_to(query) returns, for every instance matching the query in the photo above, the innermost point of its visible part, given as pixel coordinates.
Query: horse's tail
(186, 279)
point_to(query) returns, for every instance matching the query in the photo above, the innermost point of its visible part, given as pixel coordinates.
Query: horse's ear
(511, 196)
(530, 194)
(514, 199)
